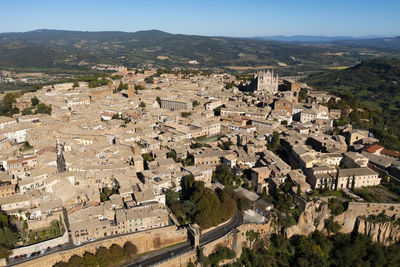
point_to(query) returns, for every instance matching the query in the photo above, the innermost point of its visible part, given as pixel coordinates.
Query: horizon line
(369, 36)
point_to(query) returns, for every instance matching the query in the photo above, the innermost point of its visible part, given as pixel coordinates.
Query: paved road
(160, 256)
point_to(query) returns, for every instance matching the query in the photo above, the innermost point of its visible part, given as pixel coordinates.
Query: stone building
(176, 104)
(266, 82)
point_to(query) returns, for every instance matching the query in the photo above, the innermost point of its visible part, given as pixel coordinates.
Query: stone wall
(145, 241)
(40, 246)
(264, 229)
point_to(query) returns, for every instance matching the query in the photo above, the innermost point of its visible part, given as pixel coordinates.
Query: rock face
(385, 232)
(311, 219)
(353, 219)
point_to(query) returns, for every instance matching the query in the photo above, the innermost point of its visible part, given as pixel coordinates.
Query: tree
(90, 260)
(34, 101)
(299, 190)
(4, 253)
(149, 79)
(275, 142)
(130, 250)
(103, 257)
(251, 236)
(224, 175)
(244, 204)
(116, 252)
(142, 105)
(172, 155)
(26, 111)
(171, 196)
(9, 98)
(75, 261)
(43, 109)
(331, 226)
(195, 103)
(337, 179)
(185, 114)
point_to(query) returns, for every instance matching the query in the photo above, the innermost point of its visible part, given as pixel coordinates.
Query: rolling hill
(48, 49)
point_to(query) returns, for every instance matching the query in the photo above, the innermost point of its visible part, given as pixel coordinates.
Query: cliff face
(385, 232)
(353, 219)
(311, 219)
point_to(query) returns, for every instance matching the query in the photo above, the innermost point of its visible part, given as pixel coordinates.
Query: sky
(239, 18)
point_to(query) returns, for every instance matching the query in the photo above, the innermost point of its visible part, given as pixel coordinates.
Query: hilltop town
(143, 150)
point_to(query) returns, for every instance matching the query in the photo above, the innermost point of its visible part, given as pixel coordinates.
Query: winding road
(160, 256)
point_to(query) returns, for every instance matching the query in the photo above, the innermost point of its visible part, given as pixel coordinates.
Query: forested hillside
(372, 90)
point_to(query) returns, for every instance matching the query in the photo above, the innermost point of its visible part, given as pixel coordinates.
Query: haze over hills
(43, 49)
(320, 38)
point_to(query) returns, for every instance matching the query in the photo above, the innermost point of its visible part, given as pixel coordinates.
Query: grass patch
(328, 193)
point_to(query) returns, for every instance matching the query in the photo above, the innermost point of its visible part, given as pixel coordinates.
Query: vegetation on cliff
(320, 250)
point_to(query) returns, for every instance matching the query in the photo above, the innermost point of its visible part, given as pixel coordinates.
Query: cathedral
(266, 82)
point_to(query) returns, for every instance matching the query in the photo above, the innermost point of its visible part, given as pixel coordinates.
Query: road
(162, 255)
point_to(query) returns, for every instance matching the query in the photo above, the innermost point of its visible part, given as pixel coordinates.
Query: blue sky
(205, 17)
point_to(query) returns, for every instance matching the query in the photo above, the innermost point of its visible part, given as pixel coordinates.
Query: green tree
(34, 101)
(275, 142)
(90, 260)
(43, 108)
(75, 261)
(252, 236)
(27, 111)
(331, 226)
(116, 253)
(103, 257)
(142, 105)
(130, 250)
(299, 190)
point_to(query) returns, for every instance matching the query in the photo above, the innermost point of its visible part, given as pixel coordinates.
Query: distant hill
(378, 41)
(48, 49)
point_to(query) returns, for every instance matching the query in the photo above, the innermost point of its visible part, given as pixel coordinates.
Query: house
(259, 178)
(284, 105)
(7, 189)
(354, 160)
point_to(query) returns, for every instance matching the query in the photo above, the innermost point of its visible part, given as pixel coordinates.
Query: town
(82, 162)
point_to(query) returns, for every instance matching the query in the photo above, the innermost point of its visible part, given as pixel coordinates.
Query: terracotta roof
(373, 149)
(390, 153)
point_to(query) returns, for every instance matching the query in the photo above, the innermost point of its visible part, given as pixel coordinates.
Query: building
(7, 190)
(325, 177)
(266, 82)
(259, 178)
(95, 222)
(284, 105)
(173, 104)
(363, 177)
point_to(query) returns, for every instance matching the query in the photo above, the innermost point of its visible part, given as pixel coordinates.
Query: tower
(60, 157)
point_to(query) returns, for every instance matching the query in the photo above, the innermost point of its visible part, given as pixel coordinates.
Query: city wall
(145, 241)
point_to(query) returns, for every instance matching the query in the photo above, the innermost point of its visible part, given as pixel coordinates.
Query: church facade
(266, 82)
